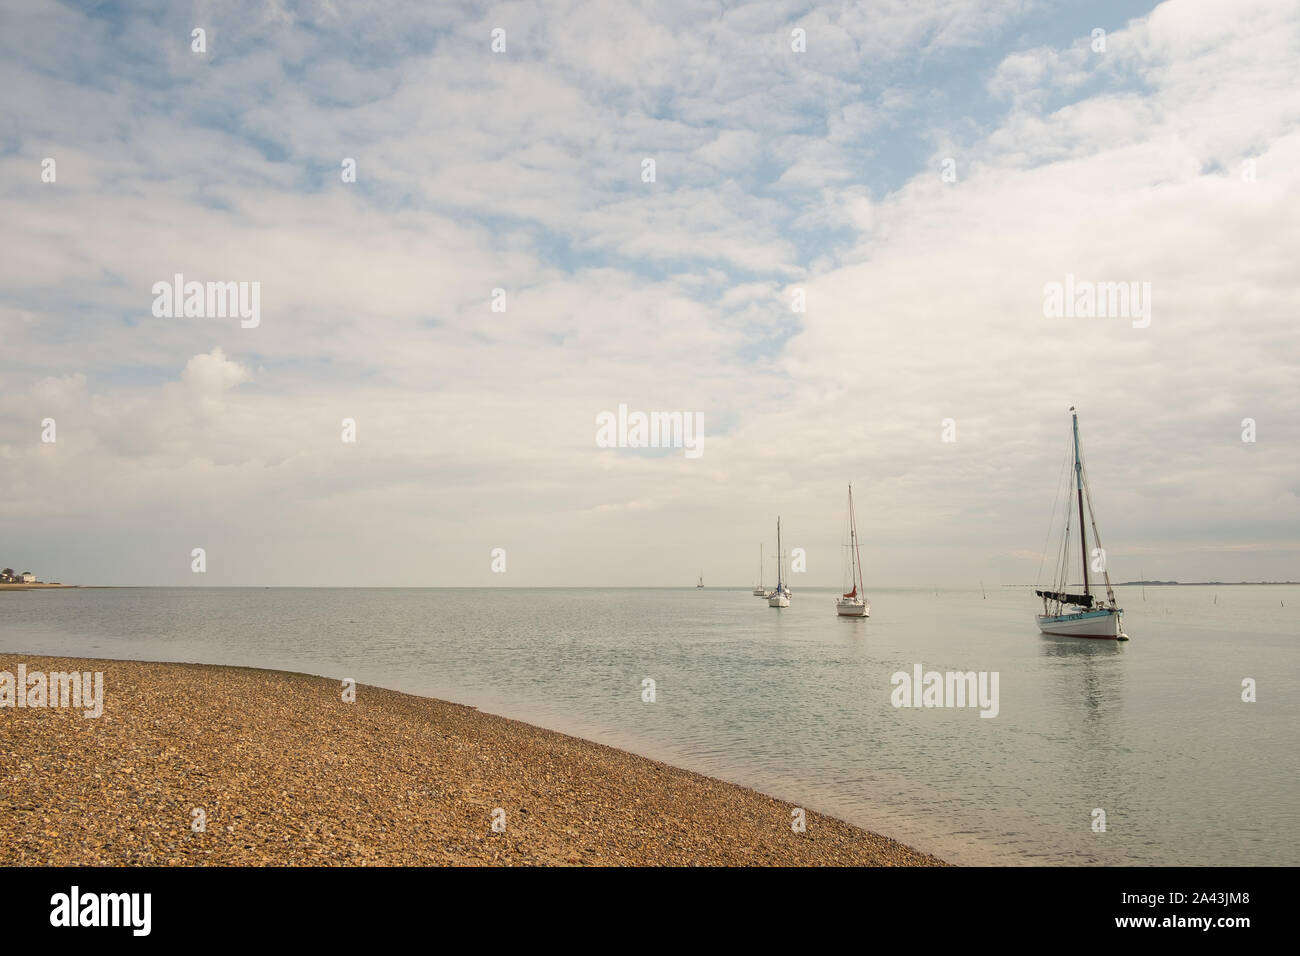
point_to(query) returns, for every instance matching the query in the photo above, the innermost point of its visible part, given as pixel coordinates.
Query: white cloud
(522, 172)
(213, 372)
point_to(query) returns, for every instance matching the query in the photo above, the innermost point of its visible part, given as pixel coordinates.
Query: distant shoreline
(1206, 584)
(42, 586)
(1183, 584)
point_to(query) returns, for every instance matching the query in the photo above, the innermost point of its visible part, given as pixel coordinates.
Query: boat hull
(778, 600)
(1104, 623)
(758, 592)
(852, 608)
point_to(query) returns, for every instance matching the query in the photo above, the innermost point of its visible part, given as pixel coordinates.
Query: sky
(841, 260)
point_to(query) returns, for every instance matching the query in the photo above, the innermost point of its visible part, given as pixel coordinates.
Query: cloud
(776, 171)
(213, 373)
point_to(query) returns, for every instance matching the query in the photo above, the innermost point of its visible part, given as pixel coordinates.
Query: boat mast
(1078, 484)
(760, 567)
(778, 554)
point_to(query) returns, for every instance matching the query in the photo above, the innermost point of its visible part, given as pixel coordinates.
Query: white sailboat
(700, 584)
(781, 596)
(853, 603)
(1073, 614)
(759, 590)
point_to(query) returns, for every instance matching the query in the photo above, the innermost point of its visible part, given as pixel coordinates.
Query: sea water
(796, 702)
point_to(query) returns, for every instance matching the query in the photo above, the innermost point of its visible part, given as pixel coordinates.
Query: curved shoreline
(286, 772)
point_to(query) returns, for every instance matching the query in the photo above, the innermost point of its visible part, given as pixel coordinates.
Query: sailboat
(853, 603)
(781, 596)
(759, 590)
(701, 582)
(1072, 614)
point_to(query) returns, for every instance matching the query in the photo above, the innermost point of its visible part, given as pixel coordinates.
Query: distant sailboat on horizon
(781, 596)
(759, 590)
(1080, 615)
(854, 602)
(701, 582)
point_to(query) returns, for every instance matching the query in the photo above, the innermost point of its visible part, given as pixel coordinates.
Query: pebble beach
(193, 764)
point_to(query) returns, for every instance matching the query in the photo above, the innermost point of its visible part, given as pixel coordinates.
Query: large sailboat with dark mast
(1071, 613)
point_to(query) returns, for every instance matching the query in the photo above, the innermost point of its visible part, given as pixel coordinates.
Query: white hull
(846, 607)
(778, 600)
(759, 592)
(1108, 623)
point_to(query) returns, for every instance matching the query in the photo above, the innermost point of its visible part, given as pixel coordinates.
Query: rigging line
(1062, 494)
(1051, 522)
(1060, 572)
(1061, 582)
(1087, 496)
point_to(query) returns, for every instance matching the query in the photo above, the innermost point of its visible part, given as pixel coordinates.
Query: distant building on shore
(29, 578)
(10, 576)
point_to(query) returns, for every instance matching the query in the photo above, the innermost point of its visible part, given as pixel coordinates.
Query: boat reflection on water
(1090, 673)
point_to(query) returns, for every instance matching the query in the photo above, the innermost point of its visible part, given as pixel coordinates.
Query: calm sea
(796, 702)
